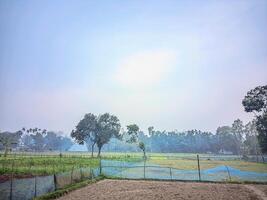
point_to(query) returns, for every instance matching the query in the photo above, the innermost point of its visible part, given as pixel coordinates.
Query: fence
(28, 188)
(197, 168)
(70, 169)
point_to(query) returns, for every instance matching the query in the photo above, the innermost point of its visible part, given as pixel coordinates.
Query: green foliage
(256, 101)
(98, 130)
(43, 165)
(142, 146)
(132, 131)
(42, 140)
(262, 129)
(8, 140)
(86, 131)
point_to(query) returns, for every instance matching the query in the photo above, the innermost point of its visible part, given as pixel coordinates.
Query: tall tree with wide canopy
(97, 130)
(256, 101)
(85, 131)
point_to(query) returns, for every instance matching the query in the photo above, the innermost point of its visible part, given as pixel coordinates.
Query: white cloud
(145, 68)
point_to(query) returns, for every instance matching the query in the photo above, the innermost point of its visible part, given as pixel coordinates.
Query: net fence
(191, 167)
(202, 168)
(28, 188)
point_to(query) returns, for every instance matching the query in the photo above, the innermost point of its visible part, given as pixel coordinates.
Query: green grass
(41, 165)
(37, 164)
(188, 161)
(191, 164)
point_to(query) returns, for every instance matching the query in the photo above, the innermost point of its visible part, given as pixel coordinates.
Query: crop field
(34, 174)
(188, 161)
(184, 163)
(52, 162)
(180, 166)
(44, 165)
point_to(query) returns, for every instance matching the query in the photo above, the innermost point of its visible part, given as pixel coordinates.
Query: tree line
(34, 139)
(238, 138)
(105, 132)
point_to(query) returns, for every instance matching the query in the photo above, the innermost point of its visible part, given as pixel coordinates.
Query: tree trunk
(99, 151)
(144, 152)
(6, 151)
(92, 153)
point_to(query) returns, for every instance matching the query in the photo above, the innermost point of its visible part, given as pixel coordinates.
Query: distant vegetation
(34, 139)
(238, 138)
(105, 132)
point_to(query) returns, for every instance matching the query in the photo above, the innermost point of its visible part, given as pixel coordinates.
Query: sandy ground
(154, 190)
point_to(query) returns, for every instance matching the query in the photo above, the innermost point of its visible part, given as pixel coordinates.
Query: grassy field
(37, 165)
(188, 161)
(46, 163)
(51, 162)
(191, 164)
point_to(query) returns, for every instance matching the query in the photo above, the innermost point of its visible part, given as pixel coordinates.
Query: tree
(9, 140)
(251, 140)
(65, 143)
(86, 131)
(132, 131)
(151, 131)
(261, 124)
(108, 126)
(33, 138)
(142, 146)
(238, 131)
(53, 142)
(41, 140)
(97, 130)
(256, 101)
(226, 140)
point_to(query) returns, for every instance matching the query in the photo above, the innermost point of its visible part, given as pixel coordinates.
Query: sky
(174, 65)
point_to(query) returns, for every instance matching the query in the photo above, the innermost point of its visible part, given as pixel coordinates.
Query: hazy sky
(171, 64)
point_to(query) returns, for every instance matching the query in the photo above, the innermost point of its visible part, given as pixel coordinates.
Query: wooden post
(35, 184)
(55, 181)
(81, 172)
(228, 172)
(145, 169)
(100, 166)
(171, 173)
(11, 182)
(199, 177)
(71, 174)
(91, 174)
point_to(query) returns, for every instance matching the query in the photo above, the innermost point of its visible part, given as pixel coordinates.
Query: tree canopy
(97, 129)
(256, 101)
(8, 140)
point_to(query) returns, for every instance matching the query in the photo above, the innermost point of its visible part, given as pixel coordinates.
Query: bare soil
(6, 177)
(154, 190)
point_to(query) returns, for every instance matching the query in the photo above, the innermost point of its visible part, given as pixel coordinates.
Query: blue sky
(170, 64)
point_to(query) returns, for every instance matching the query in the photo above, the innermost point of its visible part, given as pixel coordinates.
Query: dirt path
(155, 190)
(257, 191)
